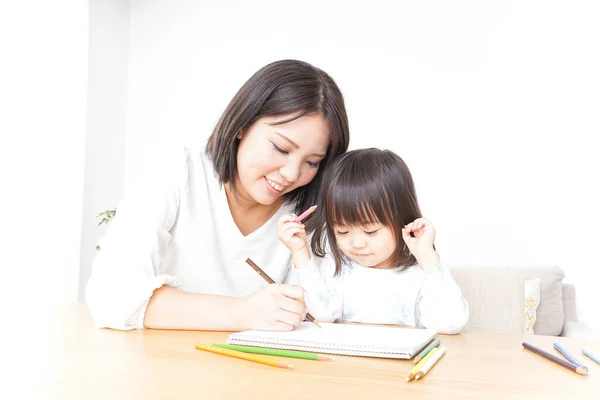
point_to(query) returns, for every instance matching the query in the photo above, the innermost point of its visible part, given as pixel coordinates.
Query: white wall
(43, 83)
(493, 105)
(106, 110)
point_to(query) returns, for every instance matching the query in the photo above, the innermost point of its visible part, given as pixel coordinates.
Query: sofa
(496, 298)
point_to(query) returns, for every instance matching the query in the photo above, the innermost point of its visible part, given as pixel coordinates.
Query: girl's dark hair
(282, 87)
(362, 187)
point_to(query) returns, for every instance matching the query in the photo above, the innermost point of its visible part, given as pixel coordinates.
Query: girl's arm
(323, 292)
(440, 304)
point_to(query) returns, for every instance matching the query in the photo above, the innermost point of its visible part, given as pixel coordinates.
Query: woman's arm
(277, 307)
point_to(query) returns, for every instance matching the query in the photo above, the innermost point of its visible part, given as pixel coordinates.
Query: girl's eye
(313, 164)
(342, 233)
(279, 149)
(372, 232)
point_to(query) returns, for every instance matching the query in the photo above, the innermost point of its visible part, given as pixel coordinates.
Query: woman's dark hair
(283, 87)
(362, 187)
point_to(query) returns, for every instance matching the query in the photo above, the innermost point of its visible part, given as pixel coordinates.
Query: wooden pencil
(548, 356)
(426, 350)
(243, 356)
(413, 372)
(269, 280)
(275, 352)
(568, 355)
(432, 361)
(590, 355)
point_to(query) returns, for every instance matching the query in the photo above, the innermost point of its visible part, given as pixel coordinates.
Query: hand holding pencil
(277, 307)
(299, 292)
(291, 232)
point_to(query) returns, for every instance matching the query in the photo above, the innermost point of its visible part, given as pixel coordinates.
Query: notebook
(343, 339)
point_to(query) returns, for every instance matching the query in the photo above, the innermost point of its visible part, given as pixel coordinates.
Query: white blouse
(176, 229)
(413, 297)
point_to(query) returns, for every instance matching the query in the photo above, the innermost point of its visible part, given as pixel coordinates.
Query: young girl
(380, 262)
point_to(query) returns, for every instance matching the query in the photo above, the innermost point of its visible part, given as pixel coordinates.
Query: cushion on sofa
(550, 315)
(495, 296)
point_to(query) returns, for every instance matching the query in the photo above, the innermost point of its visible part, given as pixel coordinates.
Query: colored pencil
(426, 350)
(568, 355)
(269, 280)
(244, 356)
(413, 372)
(274, 352)
(432, 361)
(305, 214)
(590, 355)
(548, 356)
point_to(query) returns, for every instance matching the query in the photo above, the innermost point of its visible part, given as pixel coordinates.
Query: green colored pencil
(426, 350)
(274, 352)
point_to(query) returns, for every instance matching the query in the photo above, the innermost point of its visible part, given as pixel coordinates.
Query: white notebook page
(361, 340)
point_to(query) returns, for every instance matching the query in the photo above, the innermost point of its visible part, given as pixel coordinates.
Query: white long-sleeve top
(176, 229)
(413, 297)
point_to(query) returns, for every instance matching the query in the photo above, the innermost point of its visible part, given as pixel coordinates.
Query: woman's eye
(313, 164)
(372, 232)
(342, 233)
(279, 149)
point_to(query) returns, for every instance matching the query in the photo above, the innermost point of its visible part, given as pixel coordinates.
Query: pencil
(432, 361)
(568, 355)
(269, 280)
(305, 214)
(590, 355)
(413, 372)
(275, 352)
(548, 356)
(426, 350)
(244, 356)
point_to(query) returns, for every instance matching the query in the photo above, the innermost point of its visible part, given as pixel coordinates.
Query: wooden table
(66, 357)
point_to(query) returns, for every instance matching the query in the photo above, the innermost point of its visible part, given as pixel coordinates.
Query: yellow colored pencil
(423, 371)
(244, 356)
(416, 368)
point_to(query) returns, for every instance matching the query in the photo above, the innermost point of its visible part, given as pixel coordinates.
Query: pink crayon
(305, 214)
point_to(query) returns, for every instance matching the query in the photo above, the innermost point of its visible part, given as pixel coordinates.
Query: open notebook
(345, 339)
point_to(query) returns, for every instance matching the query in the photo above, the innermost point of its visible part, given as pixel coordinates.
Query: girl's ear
(240, 134)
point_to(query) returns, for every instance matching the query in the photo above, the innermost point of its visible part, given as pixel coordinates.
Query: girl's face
(369, 245)
(275, 159)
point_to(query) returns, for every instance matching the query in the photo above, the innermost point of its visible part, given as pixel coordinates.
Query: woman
(174, 255)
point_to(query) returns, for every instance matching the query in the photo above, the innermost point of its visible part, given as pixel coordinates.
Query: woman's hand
(419, 236)
(277, 307)
(291, 233)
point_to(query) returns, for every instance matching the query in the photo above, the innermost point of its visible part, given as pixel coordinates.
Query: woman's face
(275, 159)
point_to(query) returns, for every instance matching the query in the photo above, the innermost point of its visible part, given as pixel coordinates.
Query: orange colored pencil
(244, 356)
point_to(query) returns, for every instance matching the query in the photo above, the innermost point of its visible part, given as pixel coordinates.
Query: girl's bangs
(372, 208)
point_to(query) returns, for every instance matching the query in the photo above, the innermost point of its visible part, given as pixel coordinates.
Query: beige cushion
(495, 296)
(550, 312)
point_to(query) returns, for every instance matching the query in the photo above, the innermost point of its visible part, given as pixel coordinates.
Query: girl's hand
(277, 307)
(291, 233)
(420, 243)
